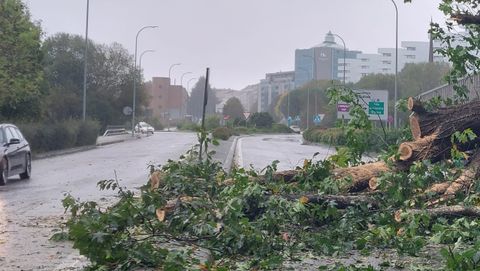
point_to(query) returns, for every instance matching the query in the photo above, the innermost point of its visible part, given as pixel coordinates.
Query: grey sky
(240, 40)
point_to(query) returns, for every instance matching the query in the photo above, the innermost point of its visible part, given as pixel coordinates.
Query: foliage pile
(48, 136)
(247, 220)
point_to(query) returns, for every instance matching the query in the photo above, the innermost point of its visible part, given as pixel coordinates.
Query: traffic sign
(246, 114)
(374, 102)
(127, 110)
(376, 108)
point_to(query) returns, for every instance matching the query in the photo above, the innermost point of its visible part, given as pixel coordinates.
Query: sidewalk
(101, 141)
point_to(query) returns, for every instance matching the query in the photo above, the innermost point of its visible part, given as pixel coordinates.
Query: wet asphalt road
(30, 210)
(261, 150)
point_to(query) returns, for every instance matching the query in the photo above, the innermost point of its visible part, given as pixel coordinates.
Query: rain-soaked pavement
(261, 151)
(30, 210)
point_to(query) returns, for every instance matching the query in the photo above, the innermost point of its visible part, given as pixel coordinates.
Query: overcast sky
(240, 40)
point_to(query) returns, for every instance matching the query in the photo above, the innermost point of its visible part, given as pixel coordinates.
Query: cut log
(340, 201)
(466, 19)
(373, 183)
(361, 174)
(444, 211)
(443, 122)
(424, 148)
(463, 182)
(438, 188)
(415, 105)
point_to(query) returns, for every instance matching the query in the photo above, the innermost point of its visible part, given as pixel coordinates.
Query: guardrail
(472, 83)
(115, 130)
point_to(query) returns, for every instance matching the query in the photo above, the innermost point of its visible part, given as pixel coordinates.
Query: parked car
(295, 129)
(16, 157)
(144, 128)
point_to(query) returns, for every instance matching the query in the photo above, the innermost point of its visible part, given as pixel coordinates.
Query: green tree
(295, 103)
(261, 120)
(234, 108)
(21, 75)
(195, 103)
(461, 49)
(109, 80)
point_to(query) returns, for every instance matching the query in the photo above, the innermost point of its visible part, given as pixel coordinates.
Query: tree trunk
(361, 174)
(444, 211)
(340, 201)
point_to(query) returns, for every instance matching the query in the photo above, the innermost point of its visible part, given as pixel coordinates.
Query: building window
(387, 62)
(385, 70)
(364, 59)
(411, 49)
(386, 54)
(364, 67)
(364, 74)
(410, 56)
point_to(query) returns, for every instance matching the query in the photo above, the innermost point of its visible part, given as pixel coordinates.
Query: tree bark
(340, 201)
(444, 211)
(361, 174)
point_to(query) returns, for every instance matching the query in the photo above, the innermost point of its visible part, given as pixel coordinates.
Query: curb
(227, 164)
(62, 152)
(75, 150)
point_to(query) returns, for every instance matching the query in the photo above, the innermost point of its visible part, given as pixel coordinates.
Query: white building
(272, 86)
(384, 61)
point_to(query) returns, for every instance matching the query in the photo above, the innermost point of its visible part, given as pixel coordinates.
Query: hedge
(44, 137)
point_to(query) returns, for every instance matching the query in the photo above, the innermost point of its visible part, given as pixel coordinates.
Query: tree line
(42, 80)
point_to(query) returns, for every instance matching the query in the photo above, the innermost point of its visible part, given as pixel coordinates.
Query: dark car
(15, 157)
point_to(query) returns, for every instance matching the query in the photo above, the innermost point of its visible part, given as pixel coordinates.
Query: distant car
(295, 128)
(144, 128)
(16, 157)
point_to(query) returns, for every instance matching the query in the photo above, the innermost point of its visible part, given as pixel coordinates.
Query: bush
(212, 122)
(281, 128)
(223, 133)
(376, 140)
(261, 120)
(187, 126)
(45, 137)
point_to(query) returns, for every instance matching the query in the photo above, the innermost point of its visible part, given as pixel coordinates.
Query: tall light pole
(181, 78)
(85, 66)
(141, 55)
(170, 71)
(188, 82)
(288, 108)
(344, 56)
(308, 94)
(396, 66)
(135, 75)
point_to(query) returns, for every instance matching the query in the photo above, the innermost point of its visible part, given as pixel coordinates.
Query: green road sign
(375, 108)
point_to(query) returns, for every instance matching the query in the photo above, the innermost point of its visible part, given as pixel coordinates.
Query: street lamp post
(135, 75)
(170, 71)
(396, 66)
(181, 78)
(308, 92)
(344, 56)
(141, 55)
(188, 82)
(85, 66)
(288, 108)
